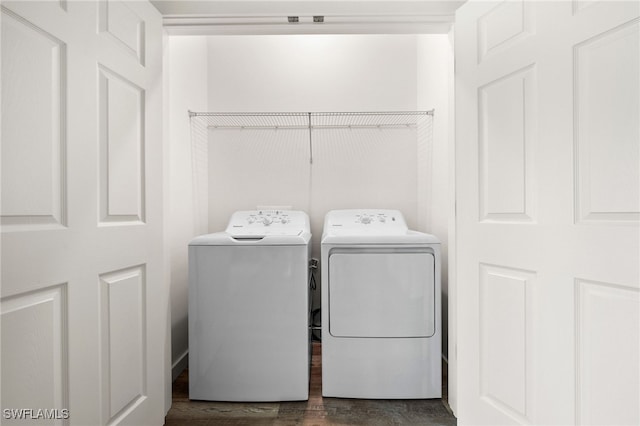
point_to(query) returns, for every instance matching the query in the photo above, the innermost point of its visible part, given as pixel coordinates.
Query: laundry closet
(306, 122)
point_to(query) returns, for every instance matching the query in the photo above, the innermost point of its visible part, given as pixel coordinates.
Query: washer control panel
(366, 221)
(257, 223)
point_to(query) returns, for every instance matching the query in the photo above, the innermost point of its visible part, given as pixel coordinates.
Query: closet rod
(306, 114)
(347, 113)
(354, 126)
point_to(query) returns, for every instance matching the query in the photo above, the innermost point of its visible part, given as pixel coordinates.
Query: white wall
(322, 73)
(312, 73)
(301, 74)
(187, 75)
(435, 90)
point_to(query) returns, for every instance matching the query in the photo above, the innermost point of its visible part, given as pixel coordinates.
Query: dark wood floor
(316, 411)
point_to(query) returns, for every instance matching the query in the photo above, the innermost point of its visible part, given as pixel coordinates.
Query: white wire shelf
(310, 120)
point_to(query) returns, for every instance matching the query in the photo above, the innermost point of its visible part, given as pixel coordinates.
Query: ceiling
(255, 17)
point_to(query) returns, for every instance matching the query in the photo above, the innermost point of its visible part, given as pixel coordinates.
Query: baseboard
(179, 366)
(445, 395)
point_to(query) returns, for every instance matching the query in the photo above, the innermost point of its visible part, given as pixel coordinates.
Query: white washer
(381, 332)
(249, 309)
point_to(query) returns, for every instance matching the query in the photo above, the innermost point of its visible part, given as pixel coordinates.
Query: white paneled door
(83, 296)
(548, 208)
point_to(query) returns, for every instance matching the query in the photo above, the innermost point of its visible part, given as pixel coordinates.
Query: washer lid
(261, 228)
(262, 223)
(224, 239)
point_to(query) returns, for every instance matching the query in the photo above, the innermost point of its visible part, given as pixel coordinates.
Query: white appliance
(249, 309)
(381, 332)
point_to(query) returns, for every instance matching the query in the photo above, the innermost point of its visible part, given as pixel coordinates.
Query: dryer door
(376, 293)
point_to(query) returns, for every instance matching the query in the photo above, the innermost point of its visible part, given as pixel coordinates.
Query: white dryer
(249, 309)
(381, 332)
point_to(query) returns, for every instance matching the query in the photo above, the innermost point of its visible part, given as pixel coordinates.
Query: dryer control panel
(259, 223)
(366, 221)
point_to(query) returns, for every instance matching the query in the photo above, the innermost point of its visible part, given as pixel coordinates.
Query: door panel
(507, 114)
(599, 307)
(34, 325)
(33, 197)
(547, 214)
(608, 176)
(83, 292)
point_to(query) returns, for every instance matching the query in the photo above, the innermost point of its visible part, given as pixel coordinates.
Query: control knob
(267, 220)
(365, 219)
